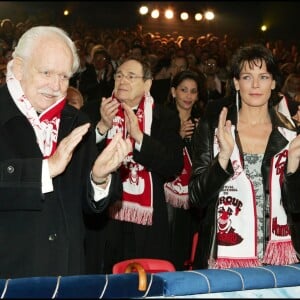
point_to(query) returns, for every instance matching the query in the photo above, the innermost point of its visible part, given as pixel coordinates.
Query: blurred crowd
(102, 50)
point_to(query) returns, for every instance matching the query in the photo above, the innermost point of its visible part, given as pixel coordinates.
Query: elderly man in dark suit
(50, 172)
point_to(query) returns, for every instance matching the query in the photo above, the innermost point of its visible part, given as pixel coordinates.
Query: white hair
(27, 41)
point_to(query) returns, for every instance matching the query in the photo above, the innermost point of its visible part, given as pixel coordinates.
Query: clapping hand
(294, 155)
(108, 110)
(132, 124)
(64, 151)
(225, 138)
(111, 157)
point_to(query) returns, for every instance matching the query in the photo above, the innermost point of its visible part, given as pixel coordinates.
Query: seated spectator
(74, 97)
(291, 86)
(97, 80)
(215, 86)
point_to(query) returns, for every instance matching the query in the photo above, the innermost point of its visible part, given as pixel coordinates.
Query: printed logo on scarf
(228, 206)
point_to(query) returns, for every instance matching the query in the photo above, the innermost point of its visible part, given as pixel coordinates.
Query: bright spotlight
(66, 12)
(155, 13)
(198, 17)
(263, 28)
(169, 14)
(143, 10)
(184, 16)
(209, 15)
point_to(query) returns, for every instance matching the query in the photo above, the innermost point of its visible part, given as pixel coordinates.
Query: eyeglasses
(129, 77)
(100, 59)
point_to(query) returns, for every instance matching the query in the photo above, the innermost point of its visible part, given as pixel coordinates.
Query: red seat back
(149, 264)
(189, 263)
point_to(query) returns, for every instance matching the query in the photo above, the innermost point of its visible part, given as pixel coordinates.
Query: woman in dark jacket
(185, 99)
(240, 151)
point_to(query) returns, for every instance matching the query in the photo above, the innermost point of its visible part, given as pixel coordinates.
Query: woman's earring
(237, 103)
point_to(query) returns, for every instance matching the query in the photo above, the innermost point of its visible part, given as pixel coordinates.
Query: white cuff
(47, 184)
(99, 192)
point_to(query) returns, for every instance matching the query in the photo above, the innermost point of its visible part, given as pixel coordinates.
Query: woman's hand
(294, 155)
(225, 138)
(187, 128)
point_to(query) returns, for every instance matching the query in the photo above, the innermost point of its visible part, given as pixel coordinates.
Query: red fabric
(51, 116)
(150, 265)
(136, 204)
(176, 191)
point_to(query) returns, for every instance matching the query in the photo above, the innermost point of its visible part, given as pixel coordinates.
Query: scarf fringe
(227, 263)
(280, 253)
(131, 213)
(180, 201)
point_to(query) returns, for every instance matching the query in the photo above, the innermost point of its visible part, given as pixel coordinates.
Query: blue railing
(278, 281)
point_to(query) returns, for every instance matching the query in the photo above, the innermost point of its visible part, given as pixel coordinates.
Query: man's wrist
(99, 131)
(99, 181)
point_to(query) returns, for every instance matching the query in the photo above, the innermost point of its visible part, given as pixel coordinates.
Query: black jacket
(208, 177)
(42, 234)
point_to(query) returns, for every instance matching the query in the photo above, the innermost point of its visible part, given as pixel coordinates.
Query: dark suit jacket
(42, 234)
(89, 86)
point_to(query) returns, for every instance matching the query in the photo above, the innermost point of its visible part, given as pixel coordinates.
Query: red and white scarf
(45, 125)
(176, 191)
(136, 205)
(236, 221)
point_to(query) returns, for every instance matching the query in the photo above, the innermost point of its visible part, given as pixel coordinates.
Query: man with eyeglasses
(97, 80)
(214, 85)
(136, 225)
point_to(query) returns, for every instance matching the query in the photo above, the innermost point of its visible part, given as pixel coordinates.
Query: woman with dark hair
(245, 161)
(184, 98)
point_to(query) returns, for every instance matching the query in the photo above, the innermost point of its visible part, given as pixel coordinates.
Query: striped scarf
(45, 125)
(176, 191)
(236, 219)
(136, 205)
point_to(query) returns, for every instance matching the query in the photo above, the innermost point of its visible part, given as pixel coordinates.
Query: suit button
(52, 237)
(10, 169)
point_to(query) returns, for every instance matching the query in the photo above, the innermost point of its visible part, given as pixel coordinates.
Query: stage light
(263, 28)
(184, 16)
(198, 17)
(143, 10)
(66, 12)
(155, 13)
(169, 14)
(209, 15)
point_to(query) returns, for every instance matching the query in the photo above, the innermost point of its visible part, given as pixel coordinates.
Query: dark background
(238, 18)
